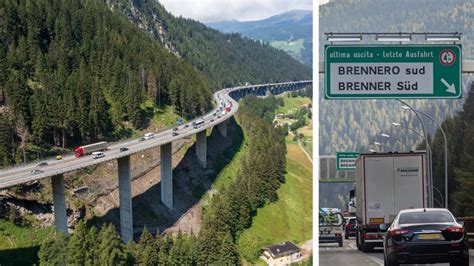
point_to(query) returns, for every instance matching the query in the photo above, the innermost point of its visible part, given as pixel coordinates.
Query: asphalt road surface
(23, 173)
(333, 255)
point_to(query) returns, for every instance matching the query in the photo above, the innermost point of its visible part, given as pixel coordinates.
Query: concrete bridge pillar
(125, 198)
(201, 147)
(166, 170)
(59, 202)
(223, 128)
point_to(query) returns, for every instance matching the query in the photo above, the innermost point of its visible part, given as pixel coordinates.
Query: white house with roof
(281, 254)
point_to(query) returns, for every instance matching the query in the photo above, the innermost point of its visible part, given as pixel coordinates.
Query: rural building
(281, 254)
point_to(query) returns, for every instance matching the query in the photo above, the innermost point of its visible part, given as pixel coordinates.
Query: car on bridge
(98, 154)
(36, 172)
(198, 122)
(123, 149)
(59, 157)
(149, 135)
(429, 235)
(42, 164)
(175, 129)
(174, 134)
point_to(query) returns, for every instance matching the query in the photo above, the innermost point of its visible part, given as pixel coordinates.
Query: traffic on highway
(100, 152)
(389, 220)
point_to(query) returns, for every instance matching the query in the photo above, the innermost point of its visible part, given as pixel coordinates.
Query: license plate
(429, 236)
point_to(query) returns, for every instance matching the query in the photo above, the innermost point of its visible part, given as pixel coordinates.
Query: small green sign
(393, 71)
(346, 160)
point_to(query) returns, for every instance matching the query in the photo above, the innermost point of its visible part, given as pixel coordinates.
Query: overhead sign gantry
(393, 71)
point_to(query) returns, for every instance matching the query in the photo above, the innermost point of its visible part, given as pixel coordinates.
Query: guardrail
(469, 227)
(116, 156)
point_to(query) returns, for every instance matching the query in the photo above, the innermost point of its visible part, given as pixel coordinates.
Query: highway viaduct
(55, 169)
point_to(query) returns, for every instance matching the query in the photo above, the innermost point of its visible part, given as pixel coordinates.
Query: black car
(42, 164)
(350, 228)
(123, 149)
(175, 129)
(175, 134)
(212, 120)
(186, 126)
(426, 236)
(141, 139)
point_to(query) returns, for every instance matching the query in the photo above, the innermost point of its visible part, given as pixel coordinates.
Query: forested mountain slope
(460, 135)
(73, 72)
(225, 59)
(291, 31)
(353, 125)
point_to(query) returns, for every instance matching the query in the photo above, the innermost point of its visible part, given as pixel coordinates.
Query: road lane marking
(372, 258)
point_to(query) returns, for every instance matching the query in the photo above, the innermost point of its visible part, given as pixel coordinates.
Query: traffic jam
(388, 219)
(98, 150)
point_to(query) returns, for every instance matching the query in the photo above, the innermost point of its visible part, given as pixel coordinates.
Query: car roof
(423, 210)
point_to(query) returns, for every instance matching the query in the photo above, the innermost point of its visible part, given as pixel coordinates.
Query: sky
(242, 10)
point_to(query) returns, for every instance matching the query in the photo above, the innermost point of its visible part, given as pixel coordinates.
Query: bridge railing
(469, 227)
(115, 143)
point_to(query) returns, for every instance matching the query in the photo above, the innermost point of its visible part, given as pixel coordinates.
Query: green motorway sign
(392, 71)
(346, 160)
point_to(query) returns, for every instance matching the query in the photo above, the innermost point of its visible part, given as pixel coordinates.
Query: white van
(98, 154)
(149, 135)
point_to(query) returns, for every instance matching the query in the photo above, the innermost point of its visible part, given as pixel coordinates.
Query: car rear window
(425, 217)
(352, 221)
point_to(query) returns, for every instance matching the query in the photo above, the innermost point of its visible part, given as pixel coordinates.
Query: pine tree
(53, 250)
(77, 246)
(111, 248)
(228, 254)
(179, 253)
(147, 250)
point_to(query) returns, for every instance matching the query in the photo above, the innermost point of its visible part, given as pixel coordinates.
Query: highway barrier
(469, 227)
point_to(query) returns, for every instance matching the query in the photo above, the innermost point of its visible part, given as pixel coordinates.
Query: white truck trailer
(385, 184)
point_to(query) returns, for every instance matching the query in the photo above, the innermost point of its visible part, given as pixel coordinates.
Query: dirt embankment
(92, 193)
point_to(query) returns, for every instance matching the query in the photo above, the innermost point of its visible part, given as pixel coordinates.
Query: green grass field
(229, 171)
(19, 244)
(292, 103)
(293, 47)
(290, 218)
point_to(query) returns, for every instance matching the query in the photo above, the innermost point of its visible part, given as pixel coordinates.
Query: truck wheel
(358, 240)
(365, 247)
(340, 243)
(346, 236)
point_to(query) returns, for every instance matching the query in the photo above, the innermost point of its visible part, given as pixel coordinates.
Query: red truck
(86, 149)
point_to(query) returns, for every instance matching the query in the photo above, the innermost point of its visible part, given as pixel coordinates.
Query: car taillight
(455, 229)
(349, 225)
(396, 232)
(370, 236)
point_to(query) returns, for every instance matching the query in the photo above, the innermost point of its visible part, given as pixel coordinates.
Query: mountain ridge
(225, 59)
(282, 31)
